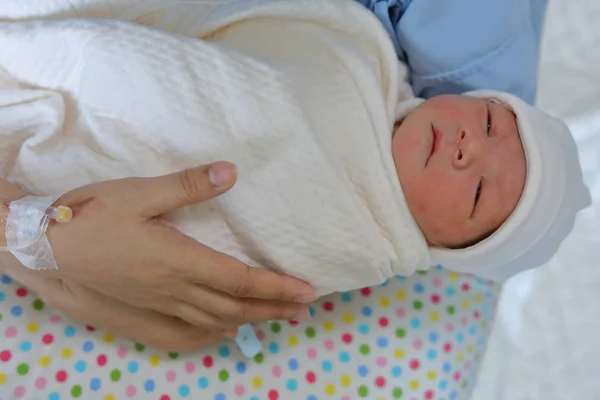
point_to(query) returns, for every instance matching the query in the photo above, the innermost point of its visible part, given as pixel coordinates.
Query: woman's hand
(91, 307)
(118, 245)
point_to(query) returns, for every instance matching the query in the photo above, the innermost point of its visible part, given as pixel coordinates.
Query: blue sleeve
(453, 46)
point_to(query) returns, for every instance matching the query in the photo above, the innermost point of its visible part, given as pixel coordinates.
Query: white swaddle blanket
(300, 94)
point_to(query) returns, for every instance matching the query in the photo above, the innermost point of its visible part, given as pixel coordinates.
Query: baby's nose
(467, 150)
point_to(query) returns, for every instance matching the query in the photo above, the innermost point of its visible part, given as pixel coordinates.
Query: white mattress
(544, 345)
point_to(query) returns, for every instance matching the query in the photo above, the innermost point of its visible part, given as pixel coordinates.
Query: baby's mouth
(434, 139)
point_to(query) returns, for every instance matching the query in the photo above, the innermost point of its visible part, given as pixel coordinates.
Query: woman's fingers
(199, 264)
(228, 311)
(142, 325)
(207, 267)
(160, 195)
(193, 315)
(86, 305)
(239, 280)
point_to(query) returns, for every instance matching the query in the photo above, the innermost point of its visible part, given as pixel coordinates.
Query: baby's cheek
(444, 227)
(411, 141)
(457, 230)
(406, 134)
(435, 231)
(429, 217)
(420, 207)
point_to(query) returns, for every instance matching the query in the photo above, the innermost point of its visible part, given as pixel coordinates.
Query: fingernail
(232, 334)
(307, 297)
(301, 291)
(222, 173)
(302, 315)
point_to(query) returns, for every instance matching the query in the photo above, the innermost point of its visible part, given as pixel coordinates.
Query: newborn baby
(493, 183)
(345, 178)
(462, 167)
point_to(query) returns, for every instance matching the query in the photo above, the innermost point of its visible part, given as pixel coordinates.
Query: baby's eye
(477, 194)
(489, 120)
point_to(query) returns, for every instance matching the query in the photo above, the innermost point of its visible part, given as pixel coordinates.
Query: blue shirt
(453, 46)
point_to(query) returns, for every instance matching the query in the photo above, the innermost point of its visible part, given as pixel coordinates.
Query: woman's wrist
(10, 266)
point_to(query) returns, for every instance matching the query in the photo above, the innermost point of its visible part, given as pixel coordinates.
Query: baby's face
(462, 167)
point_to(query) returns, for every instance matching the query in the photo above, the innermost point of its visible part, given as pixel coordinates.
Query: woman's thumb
(170, 192)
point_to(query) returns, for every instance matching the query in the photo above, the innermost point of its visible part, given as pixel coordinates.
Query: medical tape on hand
(26, 222)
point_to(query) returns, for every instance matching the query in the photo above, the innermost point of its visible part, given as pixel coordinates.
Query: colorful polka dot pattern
(412, 338)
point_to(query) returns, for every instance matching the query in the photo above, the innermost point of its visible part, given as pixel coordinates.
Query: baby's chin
(431, 243)
(436, 244)
(450, 241)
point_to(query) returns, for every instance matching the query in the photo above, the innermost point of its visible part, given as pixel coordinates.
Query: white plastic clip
(248, 341)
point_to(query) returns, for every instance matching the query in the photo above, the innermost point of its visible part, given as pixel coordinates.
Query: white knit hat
(553, 195)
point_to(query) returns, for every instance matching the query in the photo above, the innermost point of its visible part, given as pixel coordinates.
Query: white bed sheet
(544, 345)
